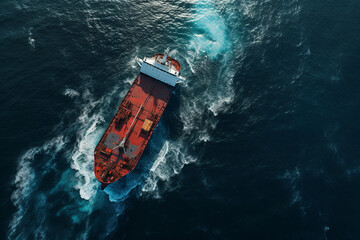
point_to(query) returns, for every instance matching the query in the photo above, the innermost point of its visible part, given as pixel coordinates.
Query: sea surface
(262, 141)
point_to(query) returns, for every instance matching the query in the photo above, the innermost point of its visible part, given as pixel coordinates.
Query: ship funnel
(165, 56)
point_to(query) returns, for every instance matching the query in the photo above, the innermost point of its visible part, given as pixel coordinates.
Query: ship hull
(125, 139)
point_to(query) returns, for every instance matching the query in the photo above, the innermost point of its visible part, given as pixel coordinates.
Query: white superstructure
(160, 69)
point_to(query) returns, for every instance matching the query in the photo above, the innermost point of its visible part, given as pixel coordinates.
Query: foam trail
(169, 162)
(78, 182)
(31, 40)
(216, 44)
(83, 154)
(88, 135)
(212, 39)
(25, 183)
(83, 186)
(210, 55)
(71, 93)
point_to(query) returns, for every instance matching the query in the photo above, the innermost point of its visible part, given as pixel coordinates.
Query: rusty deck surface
(144, 102)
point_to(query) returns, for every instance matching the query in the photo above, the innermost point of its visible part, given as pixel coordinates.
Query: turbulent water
(260, 142)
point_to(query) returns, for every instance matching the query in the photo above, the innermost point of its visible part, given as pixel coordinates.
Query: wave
(25, 183)
(83, 153)
(168, 163)
(71, 93)
(76, 143)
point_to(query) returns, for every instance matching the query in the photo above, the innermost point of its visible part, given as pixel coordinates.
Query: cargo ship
(125, 139)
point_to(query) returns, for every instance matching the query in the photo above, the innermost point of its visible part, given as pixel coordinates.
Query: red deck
(146, 99)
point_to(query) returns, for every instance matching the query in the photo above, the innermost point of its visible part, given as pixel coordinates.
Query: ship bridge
(161, 67)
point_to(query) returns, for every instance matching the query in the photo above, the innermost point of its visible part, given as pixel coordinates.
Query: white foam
(71, 93)
(129, 81)
(88, 135)
(217, 105)
(204, 136)
(214, 41)
(169, 162)
(83, 158)
(25, 180)
(31, 40)
(133, 63)
(190, 65)
(161, 157)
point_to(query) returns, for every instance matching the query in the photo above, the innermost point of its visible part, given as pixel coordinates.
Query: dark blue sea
(260, 142)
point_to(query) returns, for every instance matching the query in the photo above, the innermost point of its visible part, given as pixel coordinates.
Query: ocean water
(260, 142)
